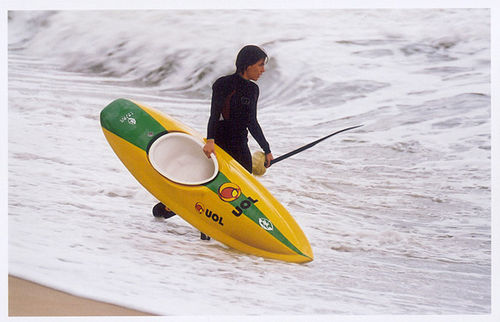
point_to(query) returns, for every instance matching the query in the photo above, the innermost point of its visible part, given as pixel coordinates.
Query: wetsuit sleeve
(215, 109)
(255, 128)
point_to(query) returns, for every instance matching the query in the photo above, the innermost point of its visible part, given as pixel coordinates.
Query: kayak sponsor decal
(251, 211)
(218, 219)
(128, 118)
(245, 204)
(229, 192)
(200, 208)
(266, 224)
(131, 122)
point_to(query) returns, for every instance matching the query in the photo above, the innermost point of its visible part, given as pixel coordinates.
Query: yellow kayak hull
(234, 208)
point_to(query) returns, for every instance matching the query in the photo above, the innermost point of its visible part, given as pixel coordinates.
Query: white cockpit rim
(179, 157)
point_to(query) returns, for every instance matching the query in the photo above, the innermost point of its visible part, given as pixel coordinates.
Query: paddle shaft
(310, 145)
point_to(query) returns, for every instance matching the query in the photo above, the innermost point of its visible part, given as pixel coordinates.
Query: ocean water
(398, 212)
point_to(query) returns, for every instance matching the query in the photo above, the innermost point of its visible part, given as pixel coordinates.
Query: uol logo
(208, 213)
(229, 192)
(245, 204)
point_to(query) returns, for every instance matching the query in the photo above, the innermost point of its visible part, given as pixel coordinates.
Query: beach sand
(31, 299)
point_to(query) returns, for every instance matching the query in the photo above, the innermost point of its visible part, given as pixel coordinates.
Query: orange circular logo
(229, 192)
(199, 207)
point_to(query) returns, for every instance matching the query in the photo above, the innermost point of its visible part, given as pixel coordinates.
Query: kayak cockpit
(179, 157)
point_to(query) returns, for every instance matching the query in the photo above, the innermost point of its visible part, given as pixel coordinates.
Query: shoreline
(32, 299)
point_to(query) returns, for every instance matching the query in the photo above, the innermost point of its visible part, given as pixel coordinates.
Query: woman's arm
(215, 112)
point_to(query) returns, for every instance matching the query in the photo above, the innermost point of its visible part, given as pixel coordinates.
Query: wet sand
(30, 299)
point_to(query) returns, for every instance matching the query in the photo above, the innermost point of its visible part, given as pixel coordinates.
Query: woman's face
(254, 71)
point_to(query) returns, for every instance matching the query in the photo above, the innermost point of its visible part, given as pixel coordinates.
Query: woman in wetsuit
(234, 109)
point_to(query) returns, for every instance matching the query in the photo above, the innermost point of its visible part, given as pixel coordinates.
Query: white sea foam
(397, 212)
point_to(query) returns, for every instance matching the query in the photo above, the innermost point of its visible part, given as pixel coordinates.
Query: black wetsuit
(233, 113)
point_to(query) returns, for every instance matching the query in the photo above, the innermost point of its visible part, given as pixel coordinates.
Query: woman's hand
(209, 148)
(269, 157)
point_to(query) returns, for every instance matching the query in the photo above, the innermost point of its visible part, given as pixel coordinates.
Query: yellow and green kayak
(217, 195)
